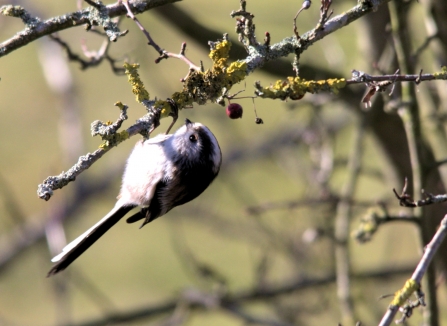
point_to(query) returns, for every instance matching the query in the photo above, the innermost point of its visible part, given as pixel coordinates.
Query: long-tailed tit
(161, 173)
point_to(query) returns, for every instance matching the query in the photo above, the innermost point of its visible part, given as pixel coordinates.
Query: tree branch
(413, 284)
(260, 54)
(36, 28)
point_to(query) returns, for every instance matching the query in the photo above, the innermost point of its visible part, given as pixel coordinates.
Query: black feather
(154, 209)
(89, 240)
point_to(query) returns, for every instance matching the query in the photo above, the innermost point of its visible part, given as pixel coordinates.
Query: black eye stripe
(205, 141)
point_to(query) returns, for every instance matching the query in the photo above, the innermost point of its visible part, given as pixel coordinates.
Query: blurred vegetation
(268, 222)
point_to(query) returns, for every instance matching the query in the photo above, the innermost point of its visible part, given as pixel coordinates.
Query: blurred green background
(263, 164)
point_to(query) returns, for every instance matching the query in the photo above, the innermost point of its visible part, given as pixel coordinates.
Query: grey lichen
(99, 15)
(20, 12)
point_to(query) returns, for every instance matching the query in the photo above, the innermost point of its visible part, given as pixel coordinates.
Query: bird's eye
(193, 138)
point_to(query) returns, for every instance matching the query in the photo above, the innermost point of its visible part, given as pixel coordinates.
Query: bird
(161, 173)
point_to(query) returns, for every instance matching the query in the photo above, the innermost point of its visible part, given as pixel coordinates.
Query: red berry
(234, 111)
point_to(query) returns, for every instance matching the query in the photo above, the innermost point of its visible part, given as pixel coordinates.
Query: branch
(261, 54)
(36, 28)
(163, 54)
(375, 217)
(95, 58)
(295, 88)
(413, 284)
(361, 77)
(143, 125)
(407, 201)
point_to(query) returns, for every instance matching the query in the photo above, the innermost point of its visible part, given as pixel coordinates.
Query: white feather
(84, 235)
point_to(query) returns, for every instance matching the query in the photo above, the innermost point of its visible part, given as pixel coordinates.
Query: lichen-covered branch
(36, 28)
(295, 88)
(413, 284)
(260, 54)
(109, 135)
(45, 189)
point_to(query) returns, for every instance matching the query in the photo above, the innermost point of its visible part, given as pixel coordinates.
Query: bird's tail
(75, 248)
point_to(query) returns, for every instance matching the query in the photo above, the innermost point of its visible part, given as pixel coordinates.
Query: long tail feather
(75, 248)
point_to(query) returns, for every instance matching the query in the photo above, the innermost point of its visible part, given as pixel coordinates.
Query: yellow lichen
(13, 11)
(295, 87)
(221, 51)
(336, 84)
(401, 296)
(237, 71)
(134, 79)
(114, 140)
(200, 87)
(120, 105)
(442, 74)
(164, 106)
(369, 224)
(182, 99)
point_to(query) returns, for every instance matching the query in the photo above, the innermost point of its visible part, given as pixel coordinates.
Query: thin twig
(163, 54)
(95, 57)
(324, 13)
(407, 201)
(362, 77)
(306, 5)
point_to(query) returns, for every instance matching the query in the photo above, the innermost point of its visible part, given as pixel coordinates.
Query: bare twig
(306, 5)
(95, 57)
(324, 13)
(407, 201)
(362, 77)
(145, 32)
(163, 54)
(180, 56)
(374, 87)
